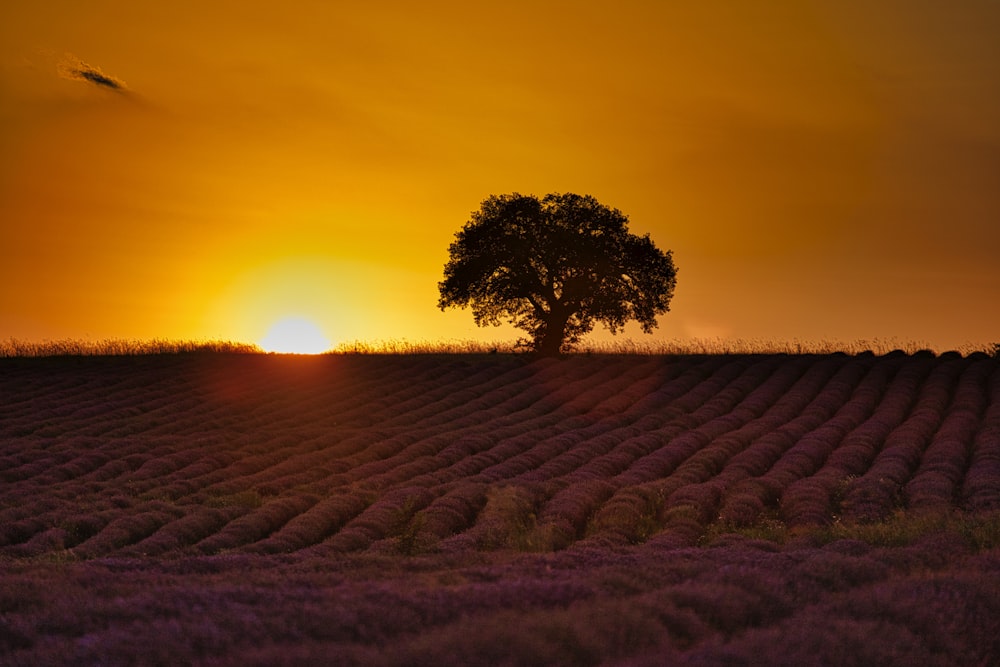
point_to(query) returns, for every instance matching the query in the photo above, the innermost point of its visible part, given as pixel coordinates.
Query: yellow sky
(821, 170)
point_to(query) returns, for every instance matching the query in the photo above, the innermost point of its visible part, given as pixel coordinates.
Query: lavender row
(936, 484)
(806, 441)
(623, 452)
(980, 490)
(876, 493)
(809, 500)
(747, 450)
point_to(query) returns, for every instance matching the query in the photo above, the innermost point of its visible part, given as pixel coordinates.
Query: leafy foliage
(554, 267)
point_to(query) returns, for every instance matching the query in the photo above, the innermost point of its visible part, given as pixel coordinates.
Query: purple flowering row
(874, 494)
(937, 482)
(408, 452)
(980, 490)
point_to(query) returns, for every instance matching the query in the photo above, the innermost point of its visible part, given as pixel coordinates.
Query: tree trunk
(555, 326)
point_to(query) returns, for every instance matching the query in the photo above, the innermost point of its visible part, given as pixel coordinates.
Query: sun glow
(295, 335)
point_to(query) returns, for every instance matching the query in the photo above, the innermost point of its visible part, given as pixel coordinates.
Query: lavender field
(240, 509)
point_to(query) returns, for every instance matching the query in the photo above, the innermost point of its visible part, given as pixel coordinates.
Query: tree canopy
(554, 267)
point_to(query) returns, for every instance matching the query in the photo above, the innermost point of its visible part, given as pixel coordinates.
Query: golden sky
(822, 170)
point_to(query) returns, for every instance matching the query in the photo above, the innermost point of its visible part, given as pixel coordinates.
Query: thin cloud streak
(74, 69)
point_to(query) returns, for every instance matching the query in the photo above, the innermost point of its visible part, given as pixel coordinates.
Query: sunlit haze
(189, 170)
(295, 335)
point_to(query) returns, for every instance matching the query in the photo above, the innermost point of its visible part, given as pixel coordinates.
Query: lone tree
(554, 267)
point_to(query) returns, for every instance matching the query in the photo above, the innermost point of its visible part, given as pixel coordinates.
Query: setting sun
(295, 335)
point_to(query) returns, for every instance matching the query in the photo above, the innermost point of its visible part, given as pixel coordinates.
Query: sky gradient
(821, 170)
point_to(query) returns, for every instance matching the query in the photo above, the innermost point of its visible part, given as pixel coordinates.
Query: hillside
(219, 463)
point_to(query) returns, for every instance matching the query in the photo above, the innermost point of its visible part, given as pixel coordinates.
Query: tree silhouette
(554, 267)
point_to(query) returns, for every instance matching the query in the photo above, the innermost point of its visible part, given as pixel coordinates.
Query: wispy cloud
(74, 69)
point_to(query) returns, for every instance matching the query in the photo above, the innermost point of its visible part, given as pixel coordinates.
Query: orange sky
(821, 170)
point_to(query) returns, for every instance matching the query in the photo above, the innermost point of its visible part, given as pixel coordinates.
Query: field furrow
(498, 509)
(178, 455)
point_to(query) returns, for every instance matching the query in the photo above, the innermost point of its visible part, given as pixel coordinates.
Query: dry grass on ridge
(118, 347)
(13, 347)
